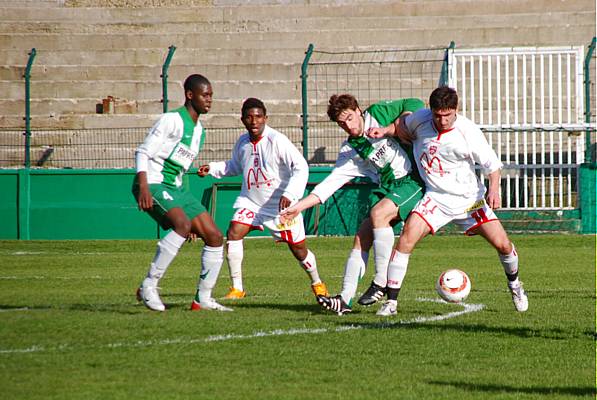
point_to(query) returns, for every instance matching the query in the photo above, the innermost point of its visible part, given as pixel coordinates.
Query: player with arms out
(274, 176)
(387, 164)
(447, 146)
(161, 162)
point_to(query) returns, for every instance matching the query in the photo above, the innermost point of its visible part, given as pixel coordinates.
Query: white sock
(211, 262)
(354, 270)
(397, 269)
(510, 264)
(167, 249)
(383, 243)
(309, 264)
(235, 261)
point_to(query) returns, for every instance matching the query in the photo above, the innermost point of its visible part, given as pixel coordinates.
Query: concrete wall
(88, 50)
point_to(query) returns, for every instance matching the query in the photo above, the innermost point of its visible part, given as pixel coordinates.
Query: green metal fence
(105, 148)
(370, 76)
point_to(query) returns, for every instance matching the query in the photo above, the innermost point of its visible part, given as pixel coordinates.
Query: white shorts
(478, 214)
(292, 232)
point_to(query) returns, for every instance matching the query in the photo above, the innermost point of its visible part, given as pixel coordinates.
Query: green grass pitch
(70, 327)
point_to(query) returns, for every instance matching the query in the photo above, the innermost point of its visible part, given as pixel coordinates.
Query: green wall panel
(9, 206)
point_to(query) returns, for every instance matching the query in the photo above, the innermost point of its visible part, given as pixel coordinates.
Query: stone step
(261, 12)
(144, 90)
(54, 106)
(294, 24)
(529, 34)
(143, 56)
(111, 121)
(264, 71)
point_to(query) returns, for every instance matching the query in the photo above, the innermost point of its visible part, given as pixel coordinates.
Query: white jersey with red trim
(271, 168)
(446, 160)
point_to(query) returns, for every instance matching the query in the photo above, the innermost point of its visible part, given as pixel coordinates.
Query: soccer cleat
(319, 289)
(335, 304)
(519, 298)
(150, 297)
(372, 295)
(234, 293)
(211, 304)
(388, 308)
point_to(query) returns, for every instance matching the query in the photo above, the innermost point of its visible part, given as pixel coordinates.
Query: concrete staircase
(86, 54)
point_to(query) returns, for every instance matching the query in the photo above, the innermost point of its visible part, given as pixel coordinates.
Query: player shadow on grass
(524, 332)
(488, 389)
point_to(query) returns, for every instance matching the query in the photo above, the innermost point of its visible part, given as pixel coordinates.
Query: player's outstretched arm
(293, 211)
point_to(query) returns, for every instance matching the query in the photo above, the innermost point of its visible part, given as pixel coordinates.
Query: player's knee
(504, 247)
(182, 226)
(214, 238)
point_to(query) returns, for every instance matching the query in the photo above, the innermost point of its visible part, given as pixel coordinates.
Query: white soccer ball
(453, 285)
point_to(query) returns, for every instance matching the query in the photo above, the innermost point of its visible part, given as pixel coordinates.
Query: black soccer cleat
(334, 304)
(372, 295)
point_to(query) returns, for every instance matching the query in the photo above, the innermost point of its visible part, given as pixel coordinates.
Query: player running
(447, 146)
(161, 161)
(274, 176)
(387, 164)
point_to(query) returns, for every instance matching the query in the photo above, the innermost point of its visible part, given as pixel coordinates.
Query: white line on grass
(467, 308)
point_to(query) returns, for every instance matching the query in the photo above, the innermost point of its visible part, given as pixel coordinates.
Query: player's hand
(192, 237)
(284, 203)
(203, 171)
(144, 201)
(494, 200)
(289, 214)
(377, 133)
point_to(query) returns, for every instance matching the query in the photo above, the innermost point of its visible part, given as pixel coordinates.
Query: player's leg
(415, 229)
(381, 215)
(212, 257)
(494, 232)
(400, 199)
(293, 233)
(354, 270)
(234, 255)
(169, 213)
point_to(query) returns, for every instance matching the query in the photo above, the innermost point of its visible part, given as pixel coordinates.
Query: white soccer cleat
(519, 297)
(210, 304)
(388, 308)
(150, 297)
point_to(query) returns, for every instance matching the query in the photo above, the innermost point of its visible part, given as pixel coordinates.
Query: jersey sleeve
(386, 112)
(232, 167)
(480, 150)
(296, 163)
(156, 137)
(344, 171)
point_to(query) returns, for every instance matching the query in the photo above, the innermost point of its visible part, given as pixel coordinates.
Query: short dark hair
(339, 103)
(443, 98)
(194, 81)
(252, 102)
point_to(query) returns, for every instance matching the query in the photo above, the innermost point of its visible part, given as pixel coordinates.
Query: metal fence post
(164, 77)
(305, 100)
(445, 67)
(27, 77)
(588, 156)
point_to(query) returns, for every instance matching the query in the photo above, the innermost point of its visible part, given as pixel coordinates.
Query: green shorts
(166, 197)
(404, 192)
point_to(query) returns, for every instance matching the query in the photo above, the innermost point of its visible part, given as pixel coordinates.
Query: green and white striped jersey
(171, 146)
(382, 160)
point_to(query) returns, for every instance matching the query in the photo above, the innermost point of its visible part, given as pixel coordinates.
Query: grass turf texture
(70, 326)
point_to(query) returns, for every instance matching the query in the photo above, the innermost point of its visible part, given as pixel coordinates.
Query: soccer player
(447, 146)
(161, 162)
(274, 176)
(387, 164)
